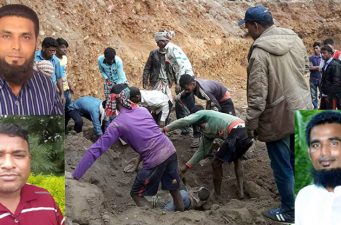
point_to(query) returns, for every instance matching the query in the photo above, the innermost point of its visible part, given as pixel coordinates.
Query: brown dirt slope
(205, 29)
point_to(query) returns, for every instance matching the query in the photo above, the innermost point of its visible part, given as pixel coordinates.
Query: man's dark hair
(185, 80)
(134, 93)
(327, 48)
(62, 41)
(109, 53)
(104, 104)
(197, 108)
(266, 23)
(328, 41)
(13, 130)
(49, 42)
(117, 88)
(316, 43)
(322, 118)
(21, 11)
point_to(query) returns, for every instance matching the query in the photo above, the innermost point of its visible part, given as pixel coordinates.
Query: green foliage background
(54, 184)
(46, 139)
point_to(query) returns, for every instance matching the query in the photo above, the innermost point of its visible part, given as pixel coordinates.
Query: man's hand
(108, 82)
(165, 130)
(215, 108)
(183, 170)
(62, 99)
(177, 89)
(252, 134)
(68, 175)
(162, 124)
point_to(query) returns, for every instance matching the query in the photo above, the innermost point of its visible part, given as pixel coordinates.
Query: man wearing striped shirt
(21, 203)
(23, 91)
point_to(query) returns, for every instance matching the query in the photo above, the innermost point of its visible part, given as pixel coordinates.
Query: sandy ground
(102, 195)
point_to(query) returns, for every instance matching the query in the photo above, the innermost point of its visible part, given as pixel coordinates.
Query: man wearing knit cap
(276, 88)
(157, 73)
(45, 67)
(136, 126)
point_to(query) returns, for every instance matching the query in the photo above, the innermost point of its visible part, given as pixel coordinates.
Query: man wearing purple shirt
(136, 126)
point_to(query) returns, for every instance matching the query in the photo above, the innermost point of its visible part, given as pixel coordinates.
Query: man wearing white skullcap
(45, 67)
(166, 65)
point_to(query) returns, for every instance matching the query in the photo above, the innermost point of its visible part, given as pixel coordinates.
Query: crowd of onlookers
(325, 76)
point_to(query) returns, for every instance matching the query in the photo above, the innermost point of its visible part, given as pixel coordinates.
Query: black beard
(327, 178)
(14, 74)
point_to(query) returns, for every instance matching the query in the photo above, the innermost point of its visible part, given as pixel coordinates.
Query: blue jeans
(281, 154)
(68, 99)
(314, 85)
(185, 198)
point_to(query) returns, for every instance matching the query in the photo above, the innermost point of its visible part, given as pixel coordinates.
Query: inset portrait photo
(32, 186)
(318, 167)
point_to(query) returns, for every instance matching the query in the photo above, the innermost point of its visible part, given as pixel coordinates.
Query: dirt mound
(205, 29)
(102, 195)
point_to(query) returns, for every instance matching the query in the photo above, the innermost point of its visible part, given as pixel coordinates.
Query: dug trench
(102, 196)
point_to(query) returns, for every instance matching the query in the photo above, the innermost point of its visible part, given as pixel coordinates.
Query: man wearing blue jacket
(111, 69)
(88, 107)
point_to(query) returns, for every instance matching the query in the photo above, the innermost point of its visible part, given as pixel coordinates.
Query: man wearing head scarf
(166, 65)
(136, 126)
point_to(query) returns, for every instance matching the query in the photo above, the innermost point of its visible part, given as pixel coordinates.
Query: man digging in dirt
(136, 126)
(217, 96)
(111, 68)
(224, 126)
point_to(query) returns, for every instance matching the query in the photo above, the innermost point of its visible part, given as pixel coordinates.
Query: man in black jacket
(157, 73)
(331, 80)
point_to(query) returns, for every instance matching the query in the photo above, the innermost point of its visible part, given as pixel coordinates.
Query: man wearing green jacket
(224, 126)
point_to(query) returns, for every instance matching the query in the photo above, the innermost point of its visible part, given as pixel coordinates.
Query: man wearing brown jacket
(275, 89)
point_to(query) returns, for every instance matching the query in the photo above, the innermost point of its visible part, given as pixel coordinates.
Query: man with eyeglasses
(320, 202)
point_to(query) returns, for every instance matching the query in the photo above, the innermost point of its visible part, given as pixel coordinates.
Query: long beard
(15, 74)
(327, 178)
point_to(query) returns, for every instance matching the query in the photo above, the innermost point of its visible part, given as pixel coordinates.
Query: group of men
(325, 75)
(272, 100)
(271, 97)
